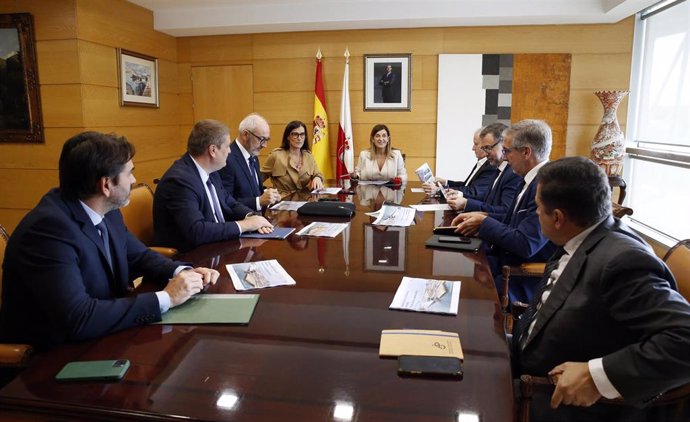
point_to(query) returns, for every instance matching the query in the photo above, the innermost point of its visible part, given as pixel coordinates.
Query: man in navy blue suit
(480, 180)
(504, 186)
(516, 237)
(241, 177)
(191, 207)
(70, 261)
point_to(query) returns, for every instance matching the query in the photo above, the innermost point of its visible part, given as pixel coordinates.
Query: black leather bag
(328, 209)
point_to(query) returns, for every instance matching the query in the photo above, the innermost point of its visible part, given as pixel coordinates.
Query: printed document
(318, 229)
(258, 275)
(389, 215)
(426, 295)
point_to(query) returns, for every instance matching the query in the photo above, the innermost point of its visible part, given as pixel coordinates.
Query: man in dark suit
(241, 176)
(608, 320)
(515, 237)
(191, 207)
(70, 261)
(390, 87)
(503, 185)
(480, 180)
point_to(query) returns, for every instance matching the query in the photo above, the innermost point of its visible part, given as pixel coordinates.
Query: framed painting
(138, 79)
(387, 82)
(20, 99)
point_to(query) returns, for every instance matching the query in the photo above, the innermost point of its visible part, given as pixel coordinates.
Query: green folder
(213, 309)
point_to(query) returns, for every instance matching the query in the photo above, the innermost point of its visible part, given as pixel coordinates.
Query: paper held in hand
(258, 275)
(426, 295)
(424, 173)
(420, 343)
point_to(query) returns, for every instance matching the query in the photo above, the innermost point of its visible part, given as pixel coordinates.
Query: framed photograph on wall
(138, 79)
(384, 248)
(387, 82)
(20, 99)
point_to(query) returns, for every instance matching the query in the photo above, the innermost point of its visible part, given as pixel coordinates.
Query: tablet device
(454, 239)
(429, 366)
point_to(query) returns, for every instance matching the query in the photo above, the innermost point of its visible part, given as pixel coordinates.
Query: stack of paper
(392, 215)
(258, 275)
(319, 229)
(420, 343)
(426, 295)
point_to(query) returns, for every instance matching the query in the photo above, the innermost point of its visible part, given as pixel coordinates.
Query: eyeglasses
(507, 151)
(262, 139)
(487, 148)
(302, 135)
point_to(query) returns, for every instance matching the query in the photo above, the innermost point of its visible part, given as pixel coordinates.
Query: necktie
(106, 241)
(252, 168)
(216, 205)
(469, 176)
(531, 312)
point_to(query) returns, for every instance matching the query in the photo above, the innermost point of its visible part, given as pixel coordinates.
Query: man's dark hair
(204, 134)
(285, 144)
(576, 186)
(89, 156)
(495, 129)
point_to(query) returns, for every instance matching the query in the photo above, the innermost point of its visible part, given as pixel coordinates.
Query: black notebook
(472, 246)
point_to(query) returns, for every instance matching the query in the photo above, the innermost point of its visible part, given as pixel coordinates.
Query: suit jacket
(481, 183)
(238, 180)
(517, 239)
(616, 300)
(57, 284)
(182, 213)
(498, 200)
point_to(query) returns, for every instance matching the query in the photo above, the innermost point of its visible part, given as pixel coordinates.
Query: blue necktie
(106, 242)
(252, 168)
(214, 202)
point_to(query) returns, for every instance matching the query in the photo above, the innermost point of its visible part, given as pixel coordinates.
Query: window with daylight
(657, 167)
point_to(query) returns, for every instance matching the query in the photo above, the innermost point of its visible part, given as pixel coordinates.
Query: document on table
(431, 207)
(327, 191)
(212, 309)
(277, 233)
(320, 229)
(372, 182)
(420, 343)
(389, 215)
(426, 295)
(417, 190)
(258, 275)
(287, 205)
(424, 173)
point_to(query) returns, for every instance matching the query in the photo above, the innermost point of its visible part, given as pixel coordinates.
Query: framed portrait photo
(387, 82)
(138, 79)
(384, 248)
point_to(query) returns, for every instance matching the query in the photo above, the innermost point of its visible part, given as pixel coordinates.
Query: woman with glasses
(292, 167)
(380, 161)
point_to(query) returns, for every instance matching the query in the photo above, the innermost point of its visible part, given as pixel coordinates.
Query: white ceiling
(213, 17)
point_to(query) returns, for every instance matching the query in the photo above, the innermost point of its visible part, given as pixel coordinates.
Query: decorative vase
(608, 146)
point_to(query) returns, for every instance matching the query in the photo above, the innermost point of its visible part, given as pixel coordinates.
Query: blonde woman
(380, 161)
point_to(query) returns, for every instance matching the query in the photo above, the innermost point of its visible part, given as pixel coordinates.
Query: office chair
(13, 357)
(138, 216)
(678, 261)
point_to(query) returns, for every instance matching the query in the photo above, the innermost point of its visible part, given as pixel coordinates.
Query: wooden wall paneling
(186, 108)
(184, 78)
(151, 142)
(62, 105)
(37, 156)
(168, 78)
(21, 188)
(424, 103)
(98, 64)
(147, 170)
(223, 93)
(53, 20)
(282, 107)
(594, 71)
(417, 140)
(579, 139)
(215, 49)
(58, 62)
(541, 87)
(425, 72)
(585, 108)
(10, 218)
(614, 38)
(284, 75)
(102, 108)
(124, 25)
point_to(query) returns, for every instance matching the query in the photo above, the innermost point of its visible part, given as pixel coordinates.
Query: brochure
(424, 173)
(426, 295)
(287, 205)
(258, 275)
(390, 215)
(320, 229)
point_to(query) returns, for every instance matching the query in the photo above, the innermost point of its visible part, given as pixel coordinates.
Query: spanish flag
(320, 147)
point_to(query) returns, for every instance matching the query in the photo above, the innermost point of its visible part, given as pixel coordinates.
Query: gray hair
(533, 133)
(205, 133)
(251, 122)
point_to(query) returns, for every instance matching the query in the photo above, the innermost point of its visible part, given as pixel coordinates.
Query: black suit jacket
(615, 299)
(499, 198)
(57, 284)
(238, 180)
(481, 183)
(182, 213)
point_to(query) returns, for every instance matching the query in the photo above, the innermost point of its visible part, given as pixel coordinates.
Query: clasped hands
(188, 283)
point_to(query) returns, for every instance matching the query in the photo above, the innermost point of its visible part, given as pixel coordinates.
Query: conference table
(310, 351)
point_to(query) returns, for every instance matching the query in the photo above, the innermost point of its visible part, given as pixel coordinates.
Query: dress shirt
(596, 367)
(163, 297)
(474, 171)
(528, 179)
(204, 178)
(247, 156)
(501, 167)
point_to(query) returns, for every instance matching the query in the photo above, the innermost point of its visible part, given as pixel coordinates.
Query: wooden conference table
(310, 352)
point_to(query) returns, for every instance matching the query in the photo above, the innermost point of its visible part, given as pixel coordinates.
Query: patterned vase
(608, 146)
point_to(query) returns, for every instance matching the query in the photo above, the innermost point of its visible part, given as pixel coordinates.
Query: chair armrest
(15, 355)
(169, 252)
(532, 269)
(518, 308)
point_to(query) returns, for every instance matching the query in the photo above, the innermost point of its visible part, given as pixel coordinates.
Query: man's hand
(429, 188)
(269, 197)
(255, 223)
(457, 202)
(468, 224)
(209, 276)
(183, 286)
(574, 385)
(316, 183)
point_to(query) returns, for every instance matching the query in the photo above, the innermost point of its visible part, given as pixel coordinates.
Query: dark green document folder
(213, 309)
